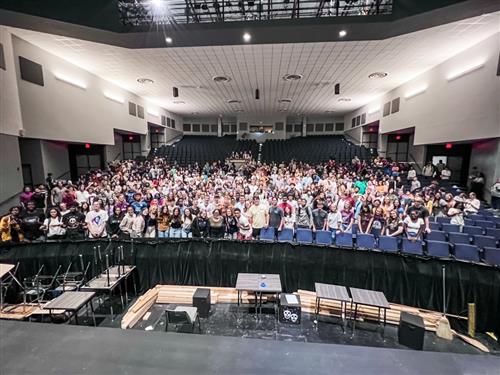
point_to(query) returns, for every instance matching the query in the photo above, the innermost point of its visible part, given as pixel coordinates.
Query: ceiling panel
(263, 66)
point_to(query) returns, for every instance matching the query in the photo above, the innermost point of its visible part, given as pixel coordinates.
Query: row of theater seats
(313, 149)
(202, 149)
(481, 246)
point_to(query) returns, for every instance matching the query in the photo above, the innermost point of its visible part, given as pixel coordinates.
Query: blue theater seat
(267, 234)
(458, 238)
(412, 247)
(492, 256)
(494, 232)
(450, 227)
(485, 223)
(365, 241)
(485, 241)
(323, 237)
(388, 244)
(304, 236)
(466, 252)
(436, 235)
(472, 230)
(343, 239)
(285, 235)
(438, 249)
(443, 219)
(435, 226)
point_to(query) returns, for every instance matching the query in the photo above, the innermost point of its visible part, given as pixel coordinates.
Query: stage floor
(33, 348)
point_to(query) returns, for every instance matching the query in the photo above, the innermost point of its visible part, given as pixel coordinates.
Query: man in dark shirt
(32, 219)
(275, 215)
(319, 216)
(74, 222)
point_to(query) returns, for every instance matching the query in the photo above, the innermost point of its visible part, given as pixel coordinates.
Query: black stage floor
(33, 348)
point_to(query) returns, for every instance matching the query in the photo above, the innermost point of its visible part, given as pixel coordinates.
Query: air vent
(221, 79)
(145, 81)
(179, 102)
(377, 75)
(344, 99)
(234, 101)
(292, 77)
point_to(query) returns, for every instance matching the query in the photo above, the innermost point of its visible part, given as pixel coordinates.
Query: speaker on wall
(31, 71)
(175, 92)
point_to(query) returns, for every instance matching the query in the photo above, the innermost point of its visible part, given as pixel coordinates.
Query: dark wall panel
(31, 71)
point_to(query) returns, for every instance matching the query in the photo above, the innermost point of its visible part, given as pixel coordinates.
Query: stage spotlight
(175, 92)
(168, 40)
(247, 37)
(342, 33)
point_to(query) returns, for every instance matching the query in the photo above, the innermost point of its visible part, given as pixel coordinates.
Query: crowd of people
(155, 199)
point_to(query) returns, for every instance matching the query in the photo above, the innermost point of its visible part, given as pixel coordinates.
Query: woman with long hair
(216, 224)
(53, 226)
(176, 223)
(187, 223)
(230, 225)
(164, 222)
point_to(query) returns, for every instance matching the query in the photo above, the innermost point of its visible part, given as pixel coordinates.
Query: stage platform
(32, 348)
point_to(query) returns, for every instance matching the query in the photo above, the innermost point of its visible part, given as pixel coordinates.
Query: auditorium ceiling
(264, 66)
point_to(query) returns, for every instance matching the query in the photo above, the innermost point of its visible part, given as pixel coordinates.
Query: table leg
(260, 305)
(121, 294)
(76, 317)
(111, 304)
(238, 298)
(92, 309)
(126, 288)
(316, 309)
(342, 315)
(355, 316)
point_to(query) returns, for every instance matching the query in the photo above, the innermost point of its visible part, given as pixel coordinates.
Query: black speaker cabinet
(201, 300)
(411, 331)
(290, 310)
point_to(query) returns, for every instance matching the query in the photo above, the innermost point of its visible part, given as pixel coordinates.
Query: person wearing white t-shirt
(472, 204)
(414, 226)
(96, 221)
(445, 174)
(334, 220)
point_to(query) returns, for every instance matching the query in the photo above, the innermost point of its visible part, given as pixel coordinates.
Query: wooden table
(258, 284)
(368, 298)
(335, 293)
(109, 280)
(72, 302)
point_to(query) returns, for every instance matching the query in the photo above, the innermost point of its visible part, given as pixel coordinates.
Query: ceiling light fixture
(221, 79)
(329, 111)
(460, 73)
(239, 110)
(71, 81)
(416, 92)
(247, 37)
(234, 101)
(344, 99)
(145, 81)
(168, 40)
(376, 75)
(179, 102)
(114, 98)
(342, 33)
(282, 110)
(292, 77)
(284, 101)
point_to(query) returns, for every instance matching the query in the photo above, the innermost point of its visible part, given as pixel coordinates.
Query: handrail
(351, 139)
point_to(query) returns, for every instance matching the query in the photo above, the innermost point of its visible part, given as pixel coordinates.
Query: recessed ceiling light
(145, 81)
(344, 99)
(292, 77)
(247, 37)
(221, 79)
(239, 110)
(329, 111)
(195, 113)
(342, 33)
(234, 101)
(282, 110)
(179, 102)
(284, 101)
(377, 75)
(168, 40)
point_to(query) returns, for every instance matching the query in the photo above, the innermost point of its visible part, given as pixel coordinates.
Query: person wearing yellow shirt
(259, 216)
